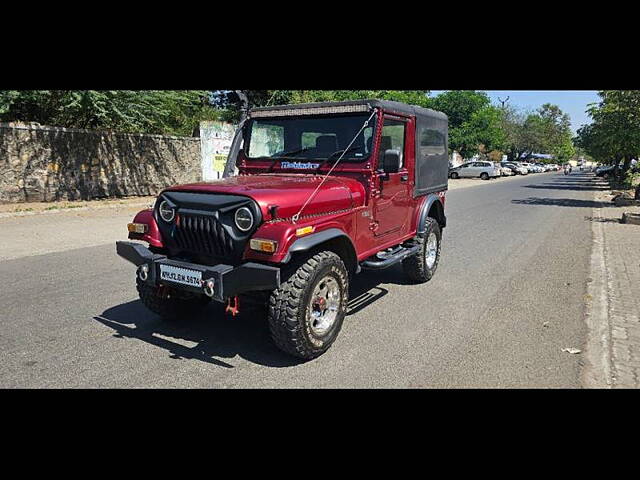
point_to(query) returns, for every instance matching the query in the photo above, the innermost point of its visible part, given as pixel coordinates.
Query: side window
(393, 133)
(432, 142)
(266, 140)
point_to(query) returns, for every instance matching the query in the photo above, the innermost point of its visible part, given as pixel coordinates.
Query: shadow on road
(559, 202)
(582, 181)
(219, 336)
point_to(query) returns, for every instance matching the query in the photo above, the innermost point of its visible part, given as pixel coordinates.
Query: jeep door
(391, 210)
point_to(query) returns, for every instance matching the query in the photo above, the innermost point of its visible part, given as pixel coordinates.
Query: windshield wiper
(293, 152)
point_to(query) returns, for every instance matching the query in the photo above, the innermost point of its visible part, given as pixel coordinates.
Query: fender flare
(424, 212)
(307, 243)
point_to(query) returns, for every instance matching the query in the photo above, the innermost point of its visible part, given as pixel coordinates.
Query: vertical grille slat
(202, 234)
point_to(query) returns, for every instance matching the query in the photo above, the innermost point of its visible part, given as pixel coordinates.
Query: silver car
(483, 170)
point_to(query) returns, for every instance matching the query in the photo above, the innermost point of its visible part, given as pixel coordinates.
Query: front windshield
(310, 138)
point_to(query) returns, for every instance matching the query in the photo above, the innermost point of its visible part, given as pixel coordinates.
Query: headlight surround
(166, 212)
(244, 219)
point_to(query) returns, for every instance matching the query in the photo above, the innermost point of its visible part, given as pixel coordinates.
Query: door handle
(404, 177)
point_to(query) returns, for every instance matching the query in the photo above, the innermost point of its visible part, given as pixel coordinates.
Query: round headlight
(244, 219)
(166, 212)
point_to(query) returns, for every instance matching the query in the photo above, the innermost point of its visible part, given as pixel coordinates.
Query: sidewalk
(616, 301)
(35, 208)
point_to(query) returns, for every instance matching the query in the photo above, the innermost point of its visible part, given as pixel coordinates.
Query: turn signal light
(138, 227)
(266, 246)
(304, 231)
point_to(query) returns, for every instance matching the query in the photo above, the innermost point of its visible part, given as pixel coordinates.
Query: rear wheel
(170, 304)
(455, 175)
(307, 310)
(421, 266)
(484, 176)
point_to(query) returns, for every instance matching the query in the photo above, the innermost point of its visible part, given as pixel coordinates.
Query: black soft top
(431, 139)
(386, 105)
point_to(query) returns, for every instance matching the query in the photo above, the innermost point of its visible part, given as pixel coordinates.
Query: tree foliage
(140, 111)
(545, 131)
(614, 134)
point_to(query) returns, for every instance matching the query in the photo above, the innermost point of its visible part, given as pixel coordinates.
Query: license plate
(184, 276)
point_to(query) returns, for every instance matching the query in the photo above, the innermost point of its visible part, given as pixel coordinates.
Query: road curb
(72, 209)
(597, 372)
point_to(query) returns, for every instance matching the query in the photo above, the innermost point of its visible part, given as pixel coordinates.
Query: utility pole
(503, 101)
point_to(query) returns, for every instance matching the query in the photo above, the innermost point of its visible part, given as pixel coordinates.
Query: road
(508, 296)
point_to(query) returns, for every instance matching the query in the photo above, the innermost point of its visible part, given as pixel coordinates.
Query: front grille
(203, 235)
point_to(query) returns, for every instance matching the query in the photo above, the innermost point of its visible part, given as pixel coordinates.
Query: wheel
(484, 176)
(455, 175)
(306, 312)
(170, 304)
(421, 266)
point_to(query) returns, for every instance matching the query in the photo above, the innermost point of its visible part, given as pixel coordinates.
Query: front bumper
(228, 281)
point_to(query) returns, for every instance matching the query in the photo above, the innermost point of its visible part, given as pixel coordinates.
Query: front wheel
(484, 176)
(421, 266)
(307, 310)
(454, 175)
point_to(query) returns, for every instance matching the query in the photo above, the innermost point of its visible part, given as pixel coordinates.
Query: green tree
(139, 111)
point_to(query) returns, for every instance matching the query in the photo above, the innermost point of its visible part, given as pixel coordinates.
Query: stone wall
(40, 163)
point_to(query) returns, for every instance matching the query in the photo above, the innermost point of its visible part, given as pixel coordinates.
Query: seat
(326, 144)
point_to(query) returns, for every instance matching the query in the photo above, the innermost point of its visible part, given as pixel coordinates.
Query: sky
(573, 102)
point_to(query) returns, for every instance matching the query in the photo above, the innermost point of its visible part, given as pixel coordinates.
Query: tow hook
(209, 288)
(235, 308)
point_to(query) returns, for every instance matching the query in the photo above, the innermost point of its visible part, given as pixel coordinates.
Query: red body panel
(152, 236)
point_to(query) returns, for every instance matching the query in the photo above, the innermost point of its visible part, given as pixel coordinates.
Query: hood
(288, 192)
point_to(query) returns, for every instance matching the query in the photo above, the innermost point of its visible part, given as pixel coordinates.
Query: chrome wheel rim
(324, 305)
(431, 250)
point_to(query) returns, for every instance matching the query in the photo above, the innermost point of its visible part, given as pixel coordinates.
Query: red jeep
(324, 190)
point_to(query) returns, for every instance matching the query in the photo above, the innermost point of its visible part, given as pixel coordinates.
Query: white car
(506, 171)
(483, 170)
(516, 168)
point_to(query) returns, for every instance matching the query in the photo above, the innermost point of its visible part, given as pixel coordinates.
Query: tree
(140, 111)
(545, 131)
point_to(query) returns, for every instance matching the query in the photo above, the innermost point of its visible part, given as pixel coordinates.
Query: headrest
(385, 144)
(327, 143)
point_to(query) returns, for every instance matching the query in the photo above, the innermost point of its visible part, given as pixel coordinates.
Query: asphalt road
(515, 255)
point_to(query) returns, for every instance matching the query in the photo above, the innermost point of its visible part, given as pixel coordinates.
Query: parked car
(530, 167)
(283, 231)
(516, 168)
(483, 170)
(506, 171)
(605, 172)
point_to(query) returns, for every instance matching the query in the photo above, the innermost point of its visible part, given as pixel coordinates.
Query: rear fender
(435, 202)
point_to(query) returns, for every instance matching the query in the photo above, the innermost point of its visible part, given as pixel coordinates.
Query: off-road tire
(170, 304)
(484, 176)
(415, 266)
(289, 305)
(455, 175)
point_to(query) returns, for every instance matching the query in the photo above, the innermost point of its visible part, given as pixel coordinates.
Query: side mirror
(391, 161)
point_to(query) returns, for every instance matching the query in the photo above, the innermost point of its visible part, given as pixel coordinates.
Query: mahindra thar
(323, 191)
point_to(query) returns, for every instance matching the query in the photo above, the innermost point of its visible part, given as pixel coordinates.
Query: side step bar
(374, 263)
